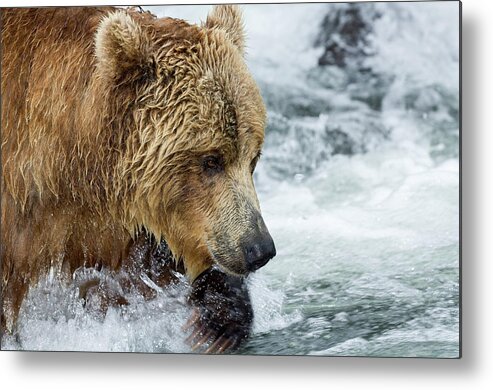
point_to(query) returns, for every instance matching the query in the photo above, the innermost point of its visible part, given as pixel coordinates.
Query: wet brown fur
(106, 116)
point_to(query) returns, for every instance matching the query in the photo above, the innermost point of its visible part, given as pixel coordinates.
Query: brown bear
(125, 135)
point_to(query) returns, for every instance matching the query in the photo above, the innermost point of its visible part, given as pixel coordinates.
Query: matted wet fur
(116, 122)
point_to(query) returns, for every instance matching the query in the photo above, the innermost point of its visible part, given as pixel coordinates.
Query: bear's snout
(257, 246)
(259, 251)
(246, 252)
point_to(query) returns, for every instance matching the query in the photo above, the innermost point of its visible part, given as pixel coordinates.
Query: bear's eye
(213, 164)
(254, 162)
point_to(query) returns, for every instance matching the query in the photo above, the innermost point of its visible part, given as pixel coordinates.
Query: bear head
(191, 131)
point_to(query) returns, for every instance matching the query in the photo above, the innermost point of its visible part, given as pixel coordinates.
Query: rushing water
(358, 183)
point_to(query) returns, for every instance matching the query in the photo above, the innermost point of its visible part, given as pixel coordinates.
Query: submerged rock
(303, 145)
(292, 101)
(345, 33)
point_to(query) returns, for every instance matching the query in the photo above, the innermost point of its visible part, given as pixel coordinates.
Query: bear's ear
(122, 49)
(228, 18)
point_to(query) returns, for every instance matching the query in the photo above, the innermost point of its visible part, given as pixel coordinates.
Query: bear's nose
(259, 252)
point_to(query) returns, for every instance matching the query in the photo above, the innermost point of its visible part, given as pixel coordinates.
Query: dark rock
(345, 33)
(340, 142)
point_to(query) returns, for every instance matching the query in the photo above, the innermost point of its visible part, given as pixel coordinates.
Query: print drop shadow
(373, 367)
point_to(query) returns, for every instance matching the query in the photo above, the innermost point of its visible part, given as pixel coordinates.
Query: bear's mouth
(229, 264)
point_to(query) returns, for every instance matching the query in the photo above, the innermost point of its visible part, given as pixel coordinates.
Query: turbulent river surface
(358, 184)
